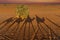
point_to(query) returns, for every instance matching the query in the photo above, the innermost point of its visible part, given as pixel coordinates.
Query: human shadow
(15, 29)
(28, 20)
(7, 22)
(39, 20)
(6, 30)
(24, 32)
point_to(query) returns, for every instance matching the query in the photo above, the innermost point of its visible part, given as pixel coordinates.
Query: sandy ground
(50, 11)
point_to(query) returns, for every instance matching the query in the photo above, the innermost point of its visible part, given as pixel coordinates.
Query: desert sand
(50, 12)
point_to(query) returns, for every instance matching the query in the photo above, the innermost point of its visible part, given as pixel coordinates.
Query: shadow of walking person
(29, 21)
(40, 20)
(6, 22)
(17, 29)
(13, 31)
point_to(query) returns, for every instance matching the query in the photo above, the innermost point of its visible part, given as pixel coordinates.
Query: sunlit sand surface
(49, 13)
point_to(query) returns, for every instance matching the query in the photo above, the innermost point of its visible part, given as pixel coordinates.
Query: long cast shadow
(42, 20)
(24, 32)
(38, 20)
(44, 29)
(34, 37)
(3, 26)
(12, 36)
(18, 21)
(8, 30)
(7, 22)
(28, 20)
(16, 29)
(38, 23)
(52, 22)
(46, 33)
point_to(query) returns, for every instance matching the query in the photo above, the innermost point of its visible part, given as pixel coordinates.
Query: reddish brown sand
(42, 10)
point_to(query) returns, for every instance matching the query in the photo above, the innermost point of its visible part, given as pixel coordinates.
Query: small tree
(22, 11)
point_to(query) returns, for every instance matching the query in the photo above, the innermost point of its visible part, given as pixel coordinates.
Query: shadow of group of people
(18, 20)
(26, 20)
